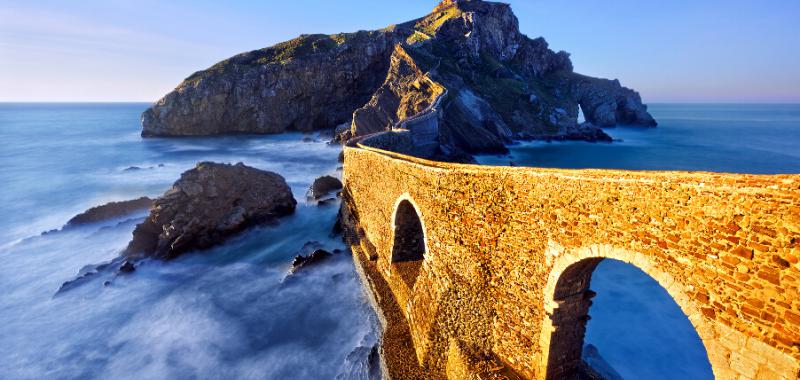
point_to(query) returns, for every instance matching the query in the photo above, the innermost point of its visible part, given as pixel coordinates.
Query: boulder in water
(301, 262)
(324, 185)
(208, 204)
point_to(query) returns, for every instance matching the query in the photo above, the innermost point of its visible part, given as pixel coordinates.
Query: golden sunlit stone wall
(509, 252)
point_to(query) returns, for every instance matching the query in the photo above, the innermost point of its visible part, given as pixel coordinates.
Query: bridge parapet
(508, 254)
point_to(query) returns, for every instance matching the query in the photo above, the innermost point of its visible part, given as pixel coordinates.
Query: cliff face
(311, 82)
(501, 85)
(406, 92)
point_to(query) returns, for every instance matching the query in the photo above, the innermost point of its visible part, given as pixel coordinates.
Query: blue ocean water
(229, 312)
(736, 138)
(226, 313)
(637, 327)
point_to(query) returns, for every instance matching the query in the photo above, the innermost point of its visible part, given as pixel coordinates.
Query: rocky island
(500, 85)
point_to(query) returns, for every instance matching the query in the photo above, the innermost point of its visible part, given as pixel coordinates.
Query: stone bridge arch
(726, 247)
(567, 301)
(409, 239)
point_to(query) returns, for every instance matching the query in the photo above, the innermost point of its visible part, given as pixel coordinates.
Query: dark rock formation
(302, 262)
(87, 274)
(127, 267)
(585, 131)
(208, 204)
(323, 186)
(491, 83)
(111, 210)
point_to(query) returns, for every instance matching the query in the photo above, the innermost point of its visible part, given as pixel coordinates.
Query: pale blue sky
(678, 50)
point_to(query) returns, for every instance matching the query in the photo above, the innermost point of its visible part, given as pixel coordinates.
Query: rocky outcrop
(127, 267)
(585, 131)
(301, 262)
(208, 204)
(323, 186)
(311, 82)
(109, 211)
(606, 103)
(499, 84)
(406, 92)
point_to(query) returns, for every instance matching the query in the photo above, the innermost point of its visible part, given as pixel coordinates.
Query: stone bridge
(484, 271)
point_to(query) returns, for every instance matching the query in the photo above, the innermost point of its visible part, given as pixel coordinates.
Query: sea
(234, 312)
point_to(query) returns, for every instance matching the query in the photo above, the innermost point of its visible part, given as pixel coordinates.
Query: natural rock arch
(409, 243)
(567, 299)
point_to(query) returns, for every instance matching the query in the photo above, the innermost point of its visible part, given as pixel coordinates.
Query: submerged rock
(111, 210)
(499, 84)
(326, 202)
(82, 278)
(127, 267)
(208, 204)
(86, 274)
(301, 262)
(324, 185)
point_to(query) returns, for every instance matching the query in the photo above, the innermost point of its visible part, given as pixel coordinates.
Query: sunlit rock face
(500, 85)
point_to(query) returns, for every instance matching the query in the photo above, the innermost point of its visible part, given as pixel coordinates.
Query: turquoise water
(228, 312)
(637, 327)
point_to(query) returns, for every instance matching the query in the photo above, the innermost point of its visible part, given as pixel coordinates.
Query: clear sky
(677, 50)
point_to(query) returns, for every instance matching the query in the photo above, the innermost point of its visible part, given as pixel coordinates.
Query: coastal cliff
(311, 82)
(501, 85)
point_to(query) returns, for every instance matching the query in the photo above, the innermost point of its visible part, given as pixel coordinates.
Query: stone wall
(424, 127)
(509, 253)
